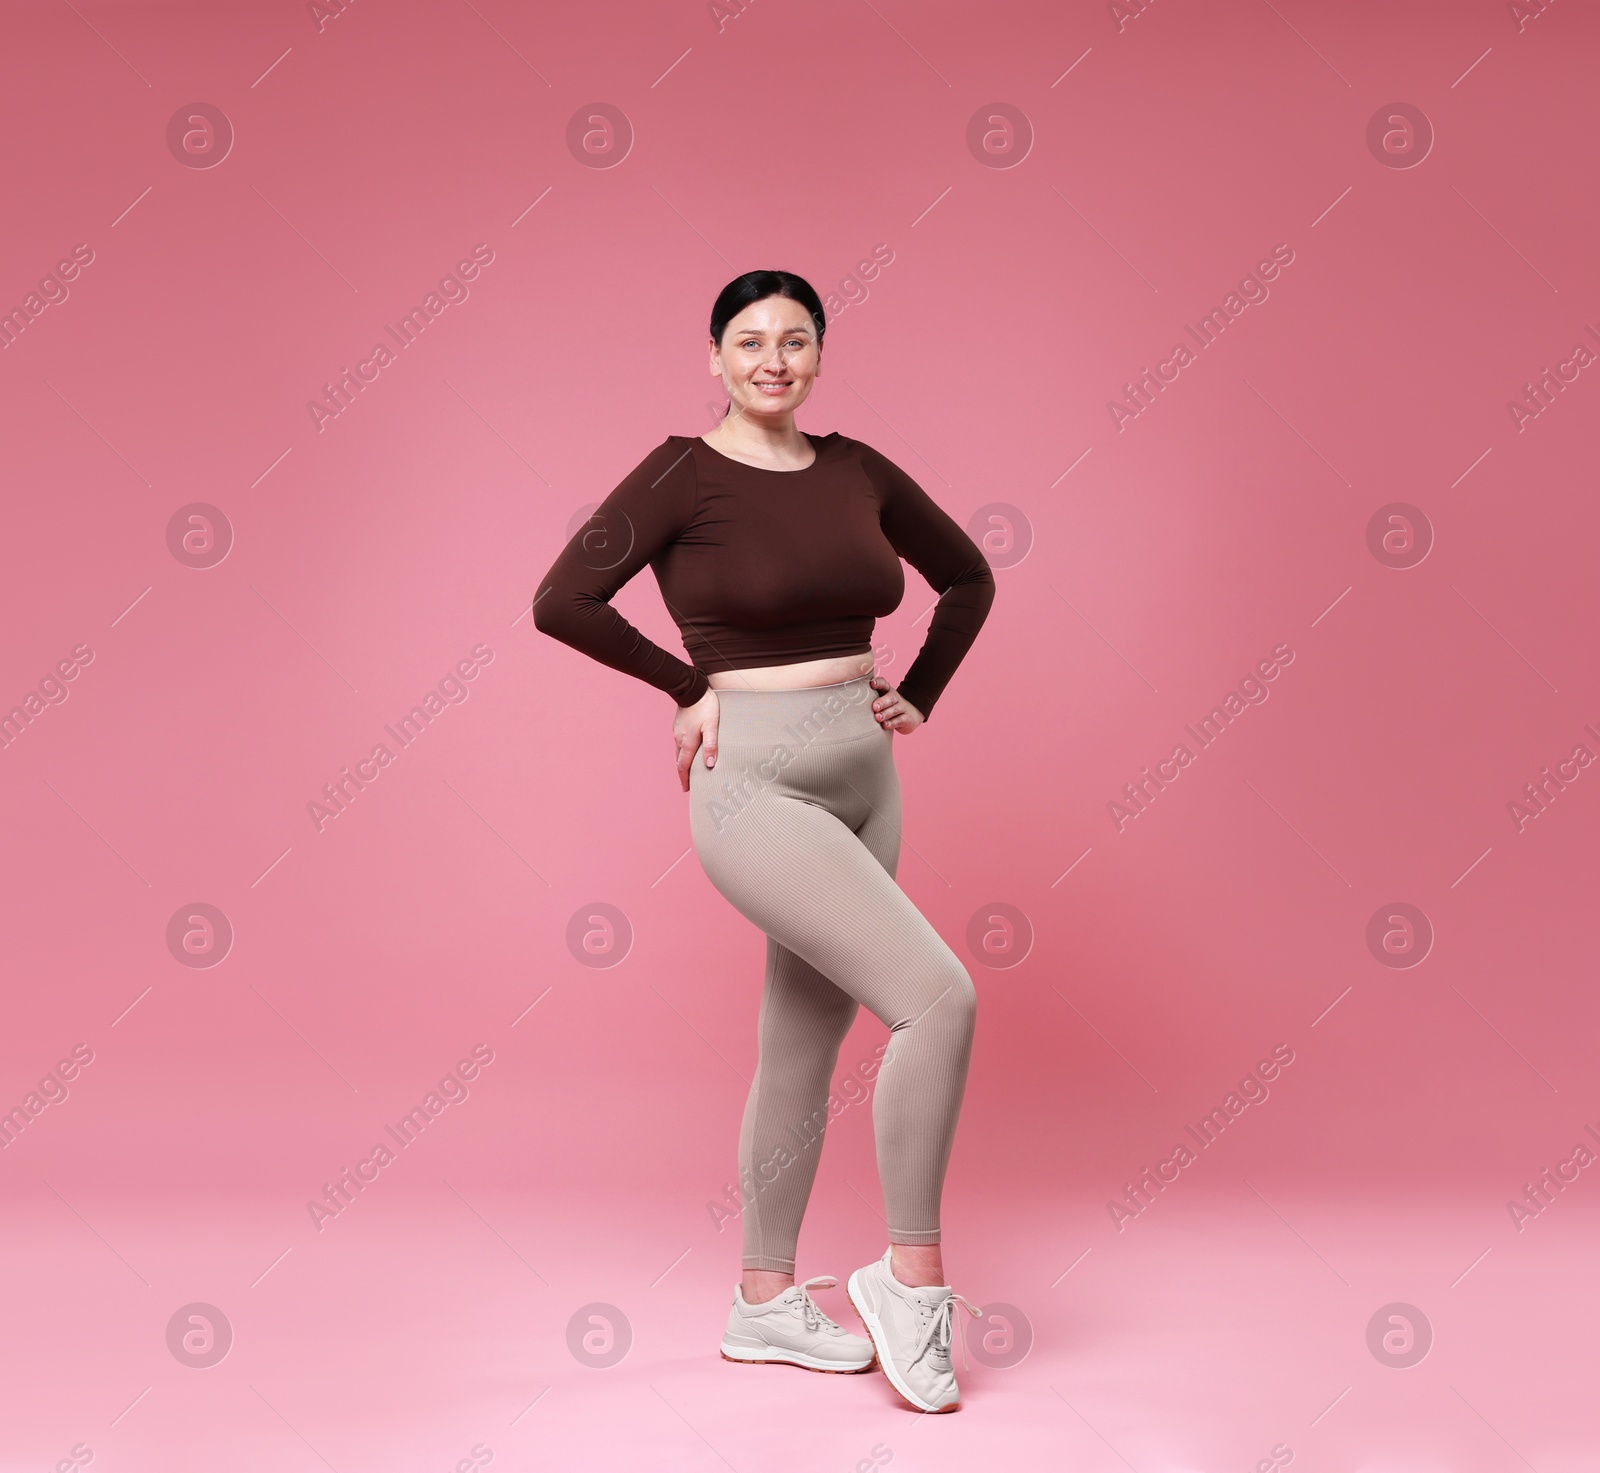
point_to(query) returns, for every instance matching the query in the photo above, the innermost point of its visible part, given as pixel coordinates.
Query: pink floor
(1219, 1331)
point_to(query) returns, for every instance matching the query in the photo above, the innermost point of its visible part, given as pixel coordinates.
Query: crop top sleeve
(761, 567)
(926, 536)
(633, 525)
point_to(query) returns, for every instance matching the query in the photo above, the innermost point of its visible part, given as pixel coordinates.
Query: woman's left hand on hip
(891, 710)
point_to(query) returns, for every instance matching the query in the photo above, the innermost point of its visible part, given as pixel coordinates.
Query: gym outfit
(798, 824)
(765, 567)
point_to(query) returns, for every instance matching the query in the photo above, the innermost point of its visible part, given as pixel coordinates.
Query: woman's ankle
(758, 1285)
(917, 1265)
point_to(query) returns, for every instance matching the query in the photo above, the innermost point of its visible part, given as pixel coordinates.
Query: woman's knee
(962, 999)
(951, 1005)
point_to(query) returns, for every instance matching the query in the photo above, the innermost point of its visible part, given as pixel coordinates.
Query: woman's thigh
(806, 851)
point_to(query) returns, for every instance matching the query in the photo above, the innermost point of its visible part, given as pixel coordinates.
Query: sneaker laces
(940, 1329)
(815, 1317)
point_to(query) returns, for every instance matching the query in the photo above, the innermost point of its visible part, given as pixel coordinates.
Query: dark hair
(756, 286)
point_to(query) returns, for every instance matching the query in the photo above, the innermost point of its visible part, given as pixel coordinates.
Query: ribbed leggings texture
(798, 826)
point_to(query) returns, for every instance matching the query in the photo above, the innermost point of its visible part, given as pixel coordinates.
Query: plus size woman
(775, 551)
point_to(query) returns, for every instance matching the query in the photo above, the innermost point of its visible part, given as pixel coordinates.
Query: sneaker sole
(886, 1363)
(775, 1357)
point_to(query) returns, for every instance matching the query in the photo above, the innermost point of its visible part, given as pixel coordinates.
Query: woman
(775, 551)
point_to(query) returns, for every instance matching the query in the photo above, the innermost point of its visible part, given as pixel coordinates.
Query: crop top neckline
(817, 444)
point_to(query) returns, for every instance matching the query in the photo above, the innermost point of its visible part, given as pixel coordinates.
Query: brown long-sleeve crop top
(766, 567)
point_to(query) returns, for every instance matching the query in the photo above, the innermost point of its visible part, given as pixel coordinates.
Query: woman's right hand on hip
(693, 727)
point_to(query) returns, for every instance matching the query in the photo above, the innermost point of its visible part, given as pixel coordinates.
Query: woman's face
(768, 358)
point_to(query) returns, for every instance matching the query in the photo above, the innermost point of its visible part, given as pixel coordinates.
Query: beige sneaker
(793, 1330)
(911, 1330)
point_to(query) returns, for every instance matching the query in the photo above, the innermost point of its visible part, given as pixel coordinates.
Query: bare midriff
(834, 670)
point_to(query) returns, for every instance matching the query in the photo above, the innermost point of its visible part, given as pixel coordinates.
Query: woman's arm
(639, 519)
(920, 530)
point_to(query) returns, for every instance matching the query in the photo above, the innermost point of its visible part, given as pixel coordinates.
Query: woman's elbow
(979, 575)
(551, 612)
(564, 614)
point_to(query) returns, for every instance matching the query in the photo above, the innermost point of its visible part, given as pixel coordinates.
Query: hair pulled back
(756, 286)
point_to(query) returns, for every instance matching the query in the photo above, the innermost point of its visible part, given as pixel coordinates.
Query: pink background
(1142, 572)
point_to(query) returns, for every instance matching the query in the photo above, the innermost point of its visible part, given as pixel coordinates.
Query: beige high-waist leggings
(798, 825)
